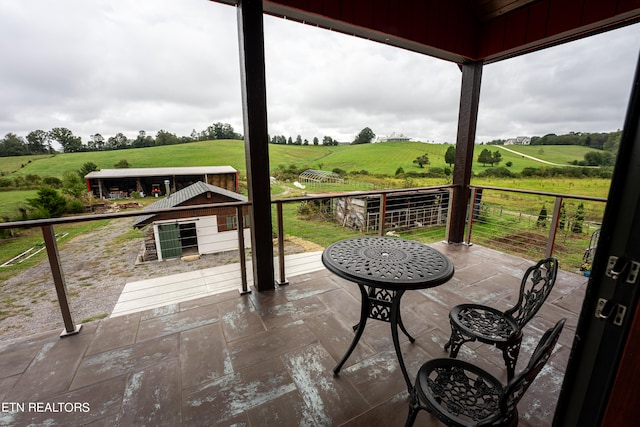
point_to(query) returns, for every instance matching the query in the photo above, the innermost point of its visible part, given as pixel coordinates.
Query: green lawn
(10, 201)
(561, 154)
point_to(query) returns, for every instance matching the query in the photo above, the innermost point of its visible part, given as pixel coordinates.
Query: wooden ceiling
(462, 30)
(489, 9)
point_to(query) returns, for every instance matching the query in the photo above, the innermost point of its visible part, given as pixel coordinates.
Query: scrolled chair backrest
(535, 287)
(517, 387)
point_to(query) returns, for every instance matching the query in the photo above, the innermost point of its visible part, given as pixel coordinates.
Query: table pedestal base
(384, 305)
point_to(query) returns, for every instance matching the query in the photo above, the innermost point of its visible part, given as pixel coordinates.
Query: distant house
(520, 140)
(119, 183)
(394, 137)
(179, 233)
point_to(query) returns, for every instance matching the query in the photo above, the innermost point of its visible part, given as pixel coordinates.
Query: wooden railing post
(58, 279)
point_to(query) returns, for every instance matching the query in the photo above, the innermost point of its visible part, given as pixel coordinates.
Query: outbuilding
(180, 233)
(120, 183)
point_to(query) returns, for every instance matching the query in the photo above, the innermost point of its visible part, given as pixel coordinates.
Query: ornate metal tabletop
(384, 268)
(388, 263)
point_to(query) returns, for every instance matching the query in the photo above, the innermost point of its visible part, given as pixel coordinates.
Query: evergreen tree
(579, 222)
(542, 217)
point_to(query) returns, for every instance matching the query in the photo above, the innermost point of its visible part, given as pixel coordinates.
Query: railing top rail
(82, 218)
(363, 193)
(541, 193)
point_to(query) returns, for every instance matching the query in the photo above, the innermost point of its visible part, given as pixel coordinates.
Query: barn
(180, 233)
(120, 183)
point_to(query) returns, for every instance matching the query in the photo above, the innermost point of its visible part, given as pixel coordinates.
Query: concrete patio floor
(266, 358)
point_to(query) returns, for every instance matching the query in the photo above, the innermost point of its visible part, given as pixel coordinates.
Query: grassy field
(560, 154)
(375, 159)
(381, 158)
(10, 201)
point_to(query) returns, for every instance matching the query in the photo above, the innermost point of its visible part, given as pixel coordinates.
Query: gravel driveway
(96, 266)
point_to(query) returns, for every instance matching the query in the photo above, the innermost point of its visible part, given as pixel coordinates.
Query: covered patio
(266, 358)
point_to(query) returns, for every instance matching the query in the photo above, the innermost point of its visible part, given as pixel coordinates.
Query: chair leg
(414, 407)
(510, 355)
(411, 418)
(455, 342)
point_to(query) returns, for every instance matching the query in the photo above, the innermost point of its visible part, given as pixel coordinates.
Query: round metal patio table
(384, 268)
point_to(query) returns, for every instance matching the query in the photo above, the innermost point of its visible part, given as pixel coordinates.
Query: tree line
(365, 136)
(607, 141)
(40, 141)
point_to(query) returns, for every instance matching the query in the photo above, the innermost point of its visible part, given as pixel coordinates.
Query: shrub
(74, 206)
(498, 172)
(48, 203)
(52, 181)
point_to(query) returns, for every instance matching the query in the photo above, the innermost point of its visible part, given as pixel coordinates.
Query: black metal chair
(461, 394)
(475, 322)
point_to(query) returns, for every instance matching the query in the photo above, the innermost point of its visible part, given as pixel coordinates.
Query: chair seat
(457, 390)
(484, 323)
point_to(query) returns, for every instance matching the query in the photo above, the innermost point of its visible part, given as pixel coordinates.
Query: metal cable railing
(525, 223)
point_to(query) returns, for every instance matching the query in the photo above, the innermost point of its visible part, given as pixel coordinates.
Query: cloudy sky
(108, 66)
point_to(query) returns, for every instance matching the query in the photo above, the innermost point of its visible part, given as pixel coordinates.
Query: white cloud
(115, 66)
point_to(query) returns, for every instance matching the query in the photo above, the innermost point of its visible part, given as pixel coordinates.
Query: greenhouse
(311, 176)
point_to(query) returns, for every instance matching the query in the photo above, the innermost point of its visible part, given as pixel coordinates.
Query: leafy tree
(315, 140)
(144, 140)
(73, 185)
(48, 203)
(365, 136)
(118, 142)
(96, 142)
(290, 141)
(166, 138)
(450, 155)
(38, 141)
(496, 157)
(87, 168)
(122, 164)
(222, 131)
(399, 171)
(327, 140)
(298, 140)
(69, 142)
(12, 145)
(422, 160)
(485, 157)
(599, 158)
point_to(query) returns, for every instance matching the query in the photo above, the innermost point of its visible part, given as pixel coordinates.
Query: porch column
(467, 120)
(254, 106)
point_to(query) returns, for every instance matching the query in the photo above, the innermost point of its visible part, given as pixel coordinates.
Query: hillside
(381, 158)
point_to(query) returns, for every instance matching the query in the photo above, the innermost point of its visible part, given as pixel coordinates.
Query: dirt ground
(96, 267)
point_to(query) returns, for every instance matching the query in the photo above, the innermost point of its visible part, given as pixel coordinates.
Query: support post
(58, 279)
(254, 106)
(467, 120)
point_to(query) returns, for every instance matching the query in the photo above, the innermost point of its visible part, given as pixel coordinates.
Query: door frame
(599, 345)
